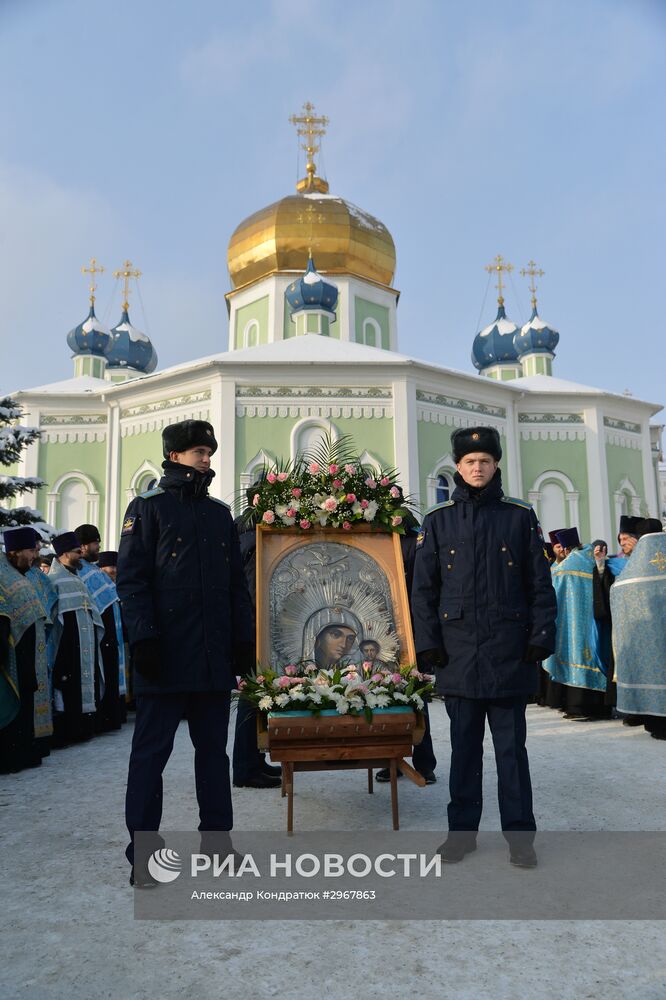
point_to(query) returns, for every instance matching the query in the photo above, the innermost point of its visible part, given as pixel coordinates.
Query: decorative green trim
(551, 418)
(437, 399)
(622, 425)
(166, 404)
(322, 391)
(66, 419)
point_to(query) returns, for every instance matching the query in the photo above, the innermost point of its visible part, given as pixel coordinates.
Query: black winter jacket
(180, 580)
(482, 592)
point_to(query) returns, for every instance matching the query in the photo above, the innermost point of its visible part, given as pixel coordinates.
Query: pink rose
(261, 679)
(296, 492)
(396, 678)
(292, 513)
(396, 521)
(346, 525)
(282, 476)
(241, 685)
(284, 682)
(271, 477)
(291, 670)
(415, 673)
(255, 500)
(296, 680)
(313, 468)
(377, 678)
(351, 498)
(269, 517)
(365, 503)
(305, 524)
(333, 469)
(371, 483)
(395, 492)
(330, 504)
(337, 483)
(350, 470)
(385, 481)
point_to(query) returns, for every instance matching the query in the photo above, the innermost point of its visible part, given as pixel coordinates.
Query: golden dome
(344, 239)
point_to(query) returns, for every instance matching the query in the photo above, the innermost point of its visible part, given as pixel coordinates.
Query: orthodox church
(313, 348)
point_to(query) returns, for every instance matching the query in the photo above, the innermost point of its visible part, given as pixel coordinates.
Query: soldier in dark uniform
(190, 626)
(484, 615)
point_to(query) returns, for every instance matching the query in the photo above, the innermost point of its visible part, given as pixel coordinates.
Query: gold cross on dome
(309, 217)
(94, 269)
(499, 266)
(659, 561)
(126, 273)
(532, 271)
(310, 127)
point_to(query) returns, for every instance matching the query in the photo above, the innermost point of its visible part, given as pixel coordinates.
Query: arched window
(73, 505)
(145, 477)
(251, 333)
(555, 500)
(73, 500)
(444, 488)
(309, 434)
(552, 507)
(371, 334)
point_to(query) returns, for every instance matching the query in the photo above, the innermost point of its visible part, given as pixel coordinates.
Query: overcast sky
(149, 130)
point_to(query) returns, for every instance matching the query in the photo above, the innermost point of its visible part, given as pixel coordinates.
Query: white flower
(356, 702)
(370, 511)
(356, 508)
(381, 700)
(288, 520)
(297, 695)
(281, 509)
(265, 703)
(342, 706)
(417, 700)
(371, 701)
(322, 518)
(400, 697)
(282, 700)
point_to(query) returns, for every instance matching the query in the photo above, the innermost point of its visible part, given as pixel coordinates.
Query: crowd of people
(63, 653)
(586, 678)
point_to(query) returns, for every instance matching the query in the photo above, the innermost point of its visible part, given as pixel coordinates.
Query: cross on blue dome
(311, 291)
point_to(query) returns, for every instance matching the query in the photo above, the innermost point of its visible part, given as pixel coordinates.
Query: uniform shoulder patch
(420, 538)
(439, 506)
(128, 525)
(221, 502)
(156, 490)
(518, 503)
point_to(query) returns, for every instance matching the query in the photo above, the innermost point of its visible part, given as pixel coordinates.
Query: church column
(597, 474)
(405, 436)
(112, 513)
(514, 470)
(223, 419)
(650, 483)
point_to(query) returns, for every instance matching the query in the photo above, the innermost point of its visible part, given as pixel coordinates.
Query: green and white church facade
(314, 350)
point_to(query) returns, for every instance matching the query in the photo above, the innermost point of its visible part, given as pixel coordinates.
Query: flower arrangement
(329, 488)
(349, 689)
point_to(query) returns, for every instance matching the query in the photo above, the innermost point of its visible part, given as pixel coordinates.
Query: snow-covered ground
(67, 927)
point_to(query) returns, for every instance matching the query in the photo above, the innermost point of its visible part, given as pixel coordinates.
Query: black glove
(536, 654)
(245, 658)
(430, 659)
(147, 659)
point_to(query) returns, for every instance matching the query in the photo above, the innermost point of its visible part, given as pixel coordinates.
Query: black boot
(456, 846)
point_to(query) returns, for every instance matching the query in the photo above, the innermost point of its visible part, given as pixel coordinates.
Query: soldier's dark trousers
(247, 760)
(157, 719)
(423, 757)
(506, 718)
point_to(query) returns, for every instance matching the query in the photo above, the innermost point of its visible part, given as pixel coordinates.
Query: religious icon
(333, 597)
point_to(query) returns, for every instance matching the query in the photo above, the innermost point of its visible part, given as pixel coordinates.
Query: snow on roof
(72, 386)
(548, 383)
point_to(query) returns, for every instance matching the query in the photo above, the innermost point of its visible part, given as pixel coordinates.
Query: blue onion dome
(311, 291)
(536, 337)
(90, 336)
(494, 344)
(130, 348)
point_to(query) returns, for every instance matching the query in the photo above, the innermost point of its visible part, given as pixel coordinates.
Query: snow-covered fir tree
(13, 439)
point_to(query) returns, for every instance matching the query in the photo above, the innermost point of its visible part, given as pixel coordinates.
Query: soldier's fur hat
(465, 440)
(188, 434)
